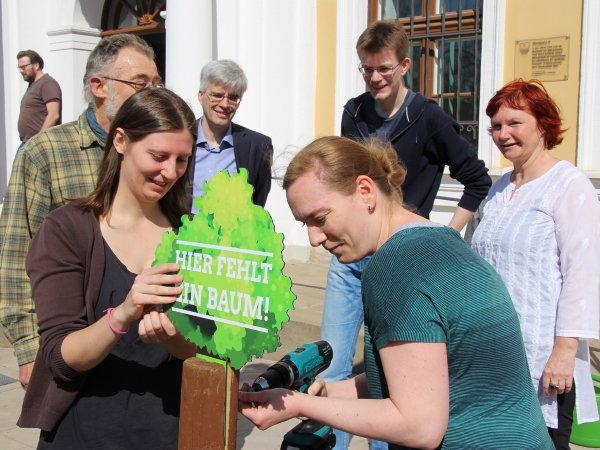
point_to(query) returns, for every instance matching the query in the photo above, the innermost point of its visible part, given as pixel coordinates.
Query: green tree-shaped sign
(235, 297)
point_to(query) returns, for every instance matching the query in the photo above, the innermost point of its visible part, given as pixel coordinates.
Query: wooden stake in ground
(208, 417)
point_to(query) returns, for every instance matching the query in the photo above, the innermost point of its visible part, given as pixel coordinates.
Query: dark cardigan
(65, 264)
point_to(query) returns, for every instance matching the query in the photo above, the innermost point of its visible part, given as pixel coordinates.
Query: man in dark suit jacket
(223, 144)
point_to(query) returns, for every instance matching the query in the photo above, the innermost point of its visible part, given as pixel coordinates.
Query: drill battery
(309, 435)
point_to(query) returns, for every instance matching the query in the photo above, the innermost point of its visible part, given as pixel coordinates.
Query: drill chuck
(278, 375)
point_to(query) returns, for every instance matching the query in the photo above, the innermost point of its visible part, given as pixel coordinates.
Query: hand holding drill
(297, 370)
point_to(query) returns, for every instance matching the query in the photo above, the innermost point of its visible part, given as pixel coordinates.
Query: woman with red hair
(540, 232)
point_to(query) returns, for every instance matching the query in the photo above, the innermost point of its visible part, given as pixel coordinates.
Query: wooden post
(208, 416)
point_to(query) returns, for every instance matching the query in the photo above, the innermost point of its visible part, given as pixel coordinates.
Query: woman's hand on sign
(154, 287)
(154, 326)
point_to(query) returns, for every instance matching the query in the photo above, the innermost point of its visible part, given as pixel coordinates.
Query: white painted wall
(70, 48)
(588, 138)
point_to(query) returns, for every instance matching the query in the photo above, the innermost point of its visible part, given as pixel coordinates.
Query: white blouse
(544, 240)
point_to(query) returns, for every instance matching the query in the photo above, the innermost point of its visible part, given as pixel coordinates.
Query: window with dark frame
(141, 17)
(445, 49)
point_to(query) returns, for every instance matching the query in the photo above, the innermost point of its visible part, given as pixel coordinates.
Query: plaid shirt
(53, 167)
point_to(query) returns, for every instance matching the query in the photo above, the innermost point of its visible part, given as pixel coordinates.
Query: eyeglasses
(217, 97)
(137, 85)
(384, 71)
(23, 66)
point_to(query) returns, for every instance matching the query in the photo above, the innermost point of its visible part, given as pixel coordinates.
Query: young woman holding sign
(108, 371)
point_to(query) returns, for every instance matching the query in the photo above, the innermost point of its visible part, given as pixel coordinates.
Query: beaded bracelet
(114, 329)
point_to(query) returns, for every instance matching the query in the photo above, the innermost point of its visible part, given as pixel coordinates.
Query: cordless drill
(297, 370)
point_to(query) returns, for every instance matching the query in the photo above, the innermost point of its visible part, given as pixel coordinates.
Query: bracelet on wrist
(114, 329)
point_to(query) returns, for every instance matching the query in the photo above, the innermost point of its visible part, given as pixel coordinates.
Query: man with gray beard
(55, 166)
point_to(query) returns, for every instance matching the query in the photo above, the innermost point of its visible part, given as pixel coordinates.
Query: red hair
(531, 96)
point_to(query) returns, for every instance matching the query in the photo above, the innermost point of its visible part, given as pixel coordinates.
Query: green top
(52, 167)
(426, 285)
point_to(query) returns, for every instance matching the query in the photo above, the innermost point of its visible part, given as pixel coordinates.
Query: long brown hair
(151, 110)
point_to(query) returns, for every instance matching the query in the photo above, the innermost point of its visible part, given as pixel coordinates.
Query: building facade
(301, 65)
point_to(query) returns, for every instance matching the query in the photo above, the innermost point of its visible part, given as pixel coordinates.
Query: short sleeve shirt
(426, 285)
(33, 105)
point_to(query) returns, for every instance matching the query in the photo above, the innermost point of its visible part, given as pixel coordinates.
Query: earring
(370, 209)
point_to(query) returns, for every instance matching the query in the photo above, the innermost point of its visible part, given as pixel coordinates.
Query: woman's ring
(554, 386)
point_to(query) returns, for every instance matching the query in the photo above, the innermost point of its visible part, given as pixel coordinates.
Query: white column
(588, 136)
(69, 50)
(274, 42)
(351, 22)
(189, 45)
(14, 87)
(492, 63)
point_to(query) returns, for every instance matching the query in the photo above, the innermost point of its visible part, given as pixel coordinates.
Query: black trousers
(561, 435)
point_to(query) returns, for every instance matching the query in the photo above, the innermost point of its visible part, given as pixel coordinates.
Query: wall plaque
(545, 59)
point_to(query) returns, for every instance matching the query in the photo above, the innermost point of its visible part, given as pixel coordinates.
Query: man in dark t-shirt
(42, 103)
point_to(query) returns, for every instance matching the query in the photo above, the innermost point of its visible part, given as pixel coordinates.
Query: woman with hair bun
(540, 231)
(444, 358)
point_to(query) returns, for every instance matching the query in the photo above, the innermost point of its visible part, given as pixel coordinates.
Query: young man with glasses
(55, 166)
(426, 140)
(223, 144)
(42, 102)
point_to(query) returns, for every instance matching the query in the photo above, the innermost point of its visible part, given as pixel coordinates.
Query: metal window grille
(445, 48)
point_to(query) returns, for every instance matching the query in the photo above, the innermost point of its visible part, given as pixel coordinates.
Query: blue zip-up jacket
(426, 140)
